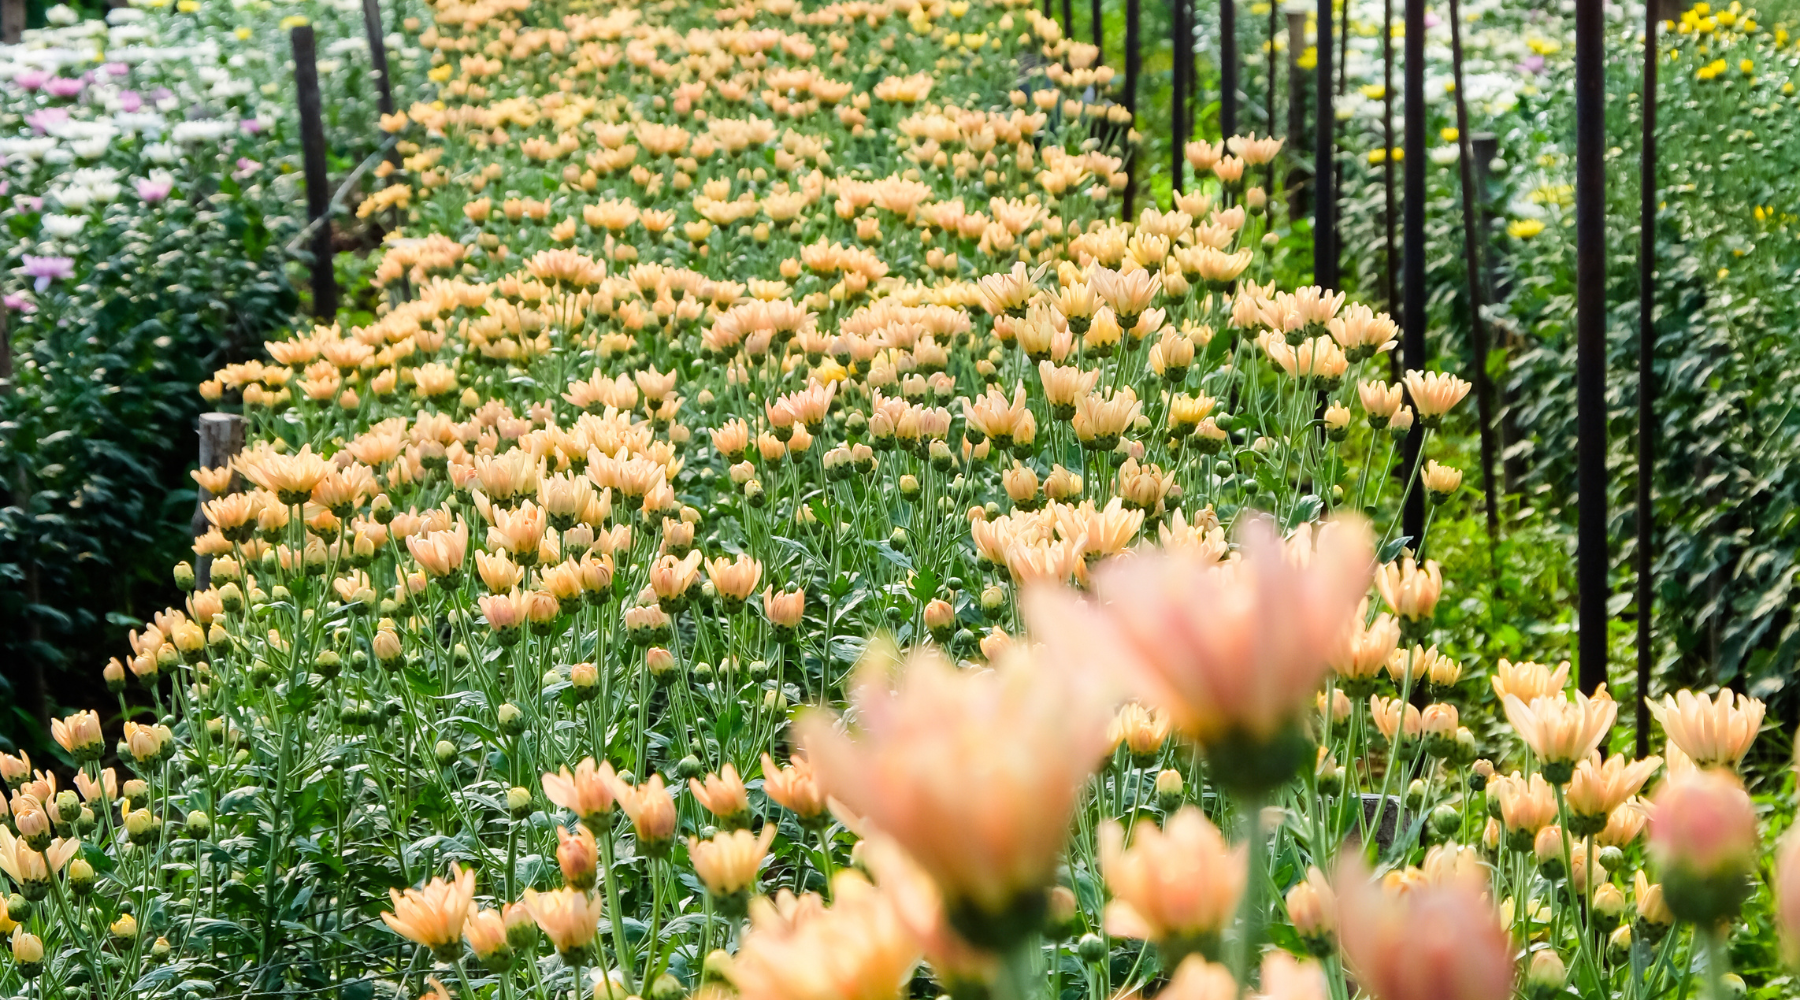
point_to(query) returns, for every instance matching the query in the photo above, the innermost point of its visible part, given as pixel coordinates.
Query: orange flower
(433, 916)
(794, 788)
(588, 793)
(651, 811)
(974, 773)
(1312, 909)
(1410, 590)
(1714, 733)
(578, 856)
(80, 735)
(735, 579)
(1178, 886)
(1232, 651)
(785, 609)
(1597, 788)
(727, 864)
(567, 916)
(1197, 979)
(1529, 681)
(724, 796)
(798, 949)
(1560, 731)
(1438, 940)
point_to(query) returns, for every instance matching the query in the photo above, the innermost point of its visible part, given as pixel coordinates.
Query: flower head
(1703, 838)
(1562, 732)
(588, 793)
(567, 917)
(799, 949)
(1232, 651)
(1178, 886)
(1715, 733)
(727, 864)
(1436, 940)
(974, 773)
(433, 916)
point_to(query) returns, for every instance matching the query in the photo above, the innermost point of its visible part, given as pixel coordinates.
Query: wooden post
(1412, 321)
(384, 92)
(1325, 253)
(221, 438)
(1296, 123)
(1133, 62)
(1646, 415)
(1099, 22)
(1592, 559)
(1389, 259)
(12, 20)
(318, 182)
(1478, 334)
(1179, 35)
(1269, 90)
(1068, 17)
(1228, 68)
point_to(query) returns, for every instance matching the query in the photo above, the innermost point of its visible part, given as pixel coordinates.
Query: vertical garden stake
(1590, 338)
(384, 91)
(1412, 316)
(1296, 123)
(1325, 252)
(1133, 60)
(1646, 415)
(318, 184)
(221, 437)
(1478, 335)
(1228, 68)
(1179, 34)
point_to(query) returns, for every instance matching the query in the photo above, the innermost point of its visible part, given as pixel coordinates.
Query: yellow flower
(1449, 134)
(188, 6)
(293, 21)
(438, 74)
(1524, 229)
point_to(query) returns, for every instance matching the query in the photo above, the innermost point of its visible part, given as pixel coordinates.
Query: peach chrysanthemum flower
(1598, 787)
(433, 916)
(1713, 733)
(1561, 731)
(1178, 886)
(727, 864)
(1232, 651)
(1437, 940)
(1704, 842)
(975, 773)
(588, 793)
(794, 788)
(798, 949)
(1197, 979)
(567, 917)
(723, 795)
(1529, 681)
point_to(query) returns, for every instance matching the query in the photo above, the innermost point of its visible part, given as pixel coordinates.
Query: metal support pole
(1133, 61)
(1296, 123)
(221, 438)
(1412, 318)
(1646, 415)
(1389, 259)
(318, 183)
(1325, 253)
(1180, 36)
(1099, 22)
(1478, 333)
(1590, 339)
(1228, 68)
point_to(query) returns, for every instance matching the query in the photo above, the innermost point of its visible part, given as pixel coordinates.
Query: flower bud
(1169, 789)
(584, 681)
(81, 877)
(198, 826)
(1547, 976)
(184, 576)
(445, 751)
(518, 802)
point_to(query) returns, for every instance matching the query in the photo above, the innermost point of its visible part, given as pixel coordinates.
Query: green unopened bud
(1547, 975)
(518, 802)
(1169, 789)
(19, 909)
(199, 825)
(1091, 948)
(328, 664)
(184, 576)
(717, 962)
(667, 987)
(512, 721)
(445, 751)
(81, 878)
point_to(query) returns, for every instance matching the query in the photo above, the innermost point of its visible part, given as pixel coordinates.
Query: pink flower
(130, 101)
(1439, 940)
(250, 126)
(1232, 651)
(975, 773)
(42, 119)
(63, 86)
(1703, 838)
(29, 203)
(32, 79)
(155, 189)
(20, 302)
(245, 167)
(46, 269)
(117, 68)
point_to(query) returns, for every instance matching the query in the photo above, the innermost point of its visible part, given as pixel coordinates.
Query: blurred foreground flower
(1703, 840)
(1434, 940)
(975, 773)
(1233, 651)
(798, 949)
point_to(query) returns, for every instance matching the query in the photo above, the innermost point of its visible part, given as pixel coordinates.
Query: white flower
(205, 130)
(161, 152)
(74, 197)
(1444, 155)
(91, 149)
(28, 149)
(63, 227)
(106, 192)
(61, 14)
(124, 15)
